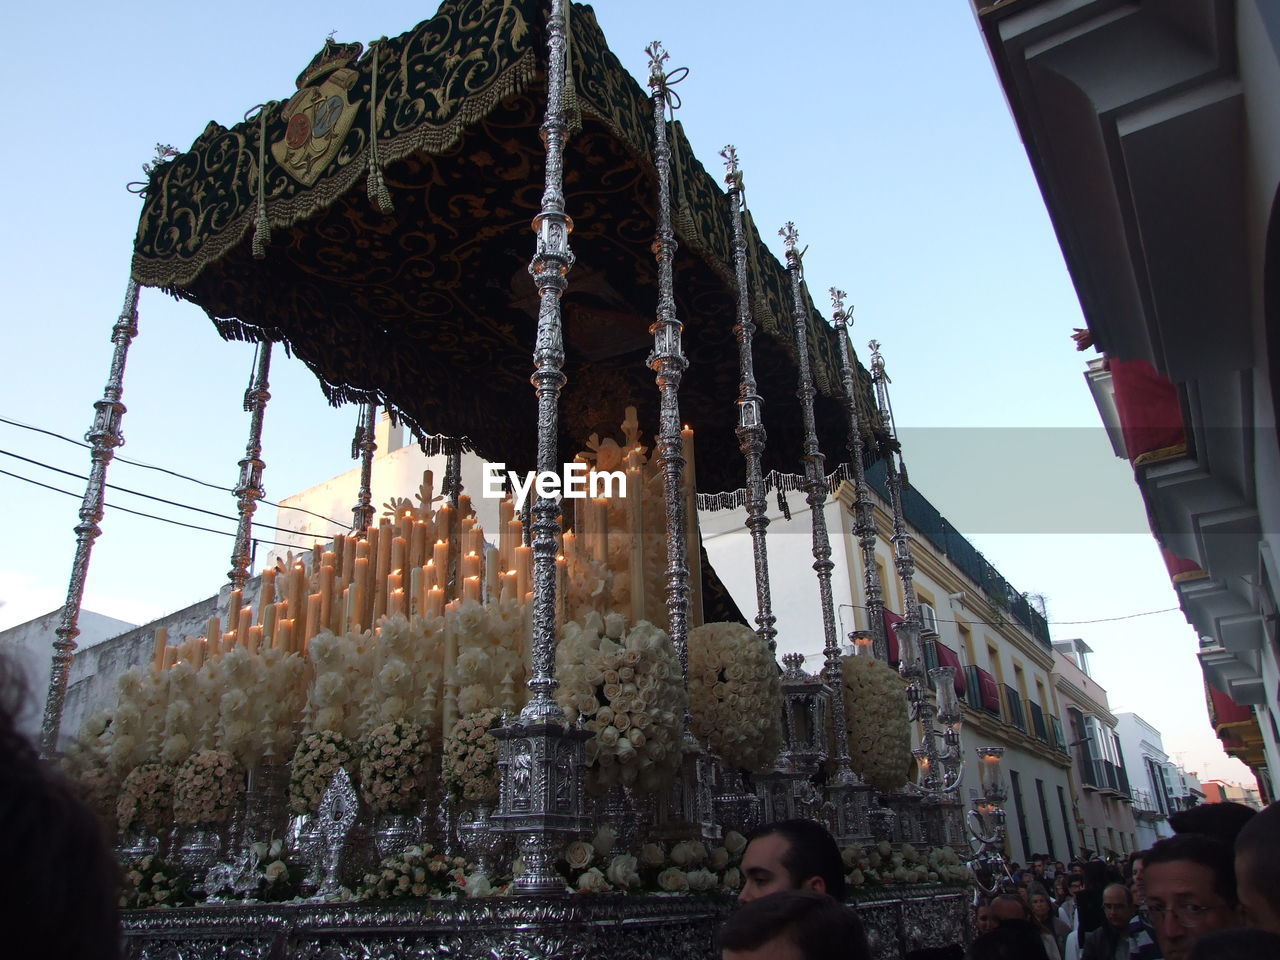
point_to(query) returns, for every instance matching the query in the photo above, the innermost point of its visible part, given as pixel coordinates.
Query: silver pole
(250, 490)
(363, 446)
(863, 515)
(104, 436)
(750, 431)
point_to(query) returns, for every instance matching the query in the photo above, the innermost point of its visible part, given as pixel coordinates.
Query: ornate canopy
(428, 308)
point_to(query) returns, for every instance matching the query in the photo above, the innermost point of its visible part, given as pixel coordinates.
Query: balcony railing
(1013, 708)
(1038, 727)
(981, 691)
(1059, 740)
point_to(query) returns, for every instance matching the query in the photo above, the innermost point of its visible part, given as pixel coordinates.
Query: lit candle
(313, 619)
(686, 448)
(440, 558)
(464, 505)
(429, 575)
(267, 596)
(524, 570)
(444, 517)
(406, 526)
(243, 624)
(284, 635)
(395, 581)
(197, 653)
(361, 592)
(471, 588)
(170, 657)
(418, 544)
(471, 565)
(162, 641)
(327, 574)
(395, 602)
(254, 639)
(435, 601)
(212, 632)
(399, 550)
(234, 602)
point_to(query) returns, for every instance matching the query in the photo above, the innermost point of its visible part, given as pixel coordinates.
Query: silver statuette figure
(750, 430)
(250, 490)
(541, 756)
(104, 436)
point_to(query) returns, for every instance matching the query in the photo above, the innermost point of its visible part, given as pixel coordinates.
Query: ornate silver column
(363, 446)
(668, 362)
(250, 490)
(540, 755)
(750, 430)
(864, 524)
(104, 436)
(939, 773)
(452, 490)
(816, 495)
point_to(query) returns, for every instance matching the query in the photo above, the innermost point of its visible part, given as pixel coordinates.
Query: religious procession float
(549, 739)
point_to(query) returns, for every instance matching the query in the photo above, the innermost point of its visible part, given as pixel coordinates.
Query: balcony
(1086, 765)
(1059, 739)
(1038, 727)
(981, 690)
(1013, 707)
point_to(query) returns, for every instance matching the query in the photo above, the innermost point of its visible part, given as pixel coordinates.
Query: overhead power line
(139, 513)
(172, 473)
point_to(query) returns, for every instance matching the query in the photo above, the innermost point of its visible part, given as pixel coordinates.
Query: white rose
(593, 881)
(735, 842)
(733, 878)
(275, 870)
(478, 885)
(622, 871)
(673, 880)
(579, 855)
(652, 855)
(682, 854)
(701, 879)
(718, 859)
(604, 840)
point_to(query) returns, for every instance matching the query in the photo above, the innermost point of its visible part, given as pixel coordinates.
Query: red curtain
(1226, 710)
(949, 658)
(891, 635)
(1148, 407)
(990, 692)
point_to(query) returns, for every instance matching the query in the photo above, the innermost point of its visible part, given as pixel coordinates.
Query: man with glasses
(1190, 883)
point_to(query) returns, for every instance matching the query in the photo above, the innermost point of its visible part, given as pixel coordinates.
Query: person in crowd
(1009, 907)
(1089, 915)
(1052, 930)
(1239, 943)
(59, 888)
(1257, 851)
(982, 920)
(798, 924)
(1224, 821)
(1111, 940)
(791, 855)
(1190, 884)
(1016, 940)
(1067, 907)
(1136, 866)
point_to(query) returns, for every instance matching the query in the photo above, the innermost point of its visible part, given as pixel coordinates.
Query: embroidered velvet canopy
(427, 307)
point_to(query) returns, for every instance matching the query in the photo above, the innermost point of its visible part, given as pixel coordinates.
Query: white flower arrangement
(882, 864)
(735, 695)
(489, 643)
(152, 882)
(470, 764)
(391, 766)
(420, 872)
(625, 687)
(318, 757)
(146, 797)
(206, 788)
(875, 708)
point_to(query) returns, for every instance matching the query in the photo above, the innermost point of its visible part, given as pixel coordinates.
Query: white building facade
(1149, 776)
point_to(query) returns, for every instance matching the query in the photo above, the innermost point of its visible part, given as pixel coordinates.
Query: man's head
(1223, 821)
(1006, 907)
(1136, 887)
(982, 919)
(1191, 890)
(794, 925)
(791, 855)
(1258, 870)
(1117, 904)
(1075, 885)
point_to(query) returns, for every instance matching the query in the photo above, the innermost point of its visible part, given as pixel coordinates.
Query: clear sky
(879, 129)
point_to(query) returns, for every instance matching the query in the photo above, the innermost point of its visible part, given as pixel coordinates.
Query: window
(1044, 817)
(966, 648)
(1066, 822)
(1015, 787)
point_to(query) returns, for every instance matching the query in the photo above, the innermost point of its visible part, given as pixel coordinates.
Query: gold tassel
(377, 187)
(262, 226)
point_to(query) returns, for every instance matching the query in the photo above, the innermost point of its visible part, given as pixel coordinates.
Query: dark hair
(1012, 940)
(819, 926)
(1096, 875)
(811, 852)
(1237, 943)
(1223, 821)
(1204, 850)
(1262, 833)
(60, 876)
(1128, 894)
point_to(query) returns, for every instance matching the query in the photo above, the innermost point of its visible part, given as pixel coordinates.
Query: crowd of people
(1209, 892)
